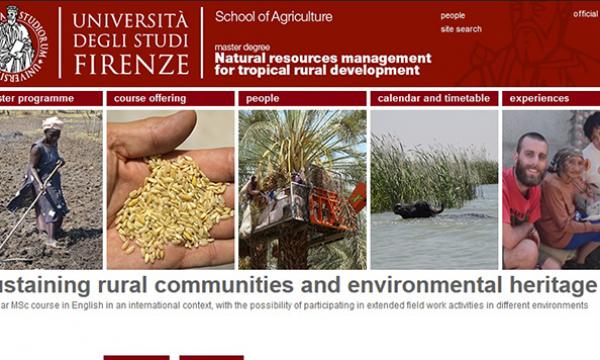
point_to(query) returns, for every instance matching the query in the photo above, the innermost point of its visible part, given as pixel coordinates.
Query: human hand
(583, 187)
(535, 236)
(127, 144)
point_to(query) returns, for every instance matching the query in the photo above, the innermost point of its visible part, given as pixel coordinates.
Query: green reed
(438, 174)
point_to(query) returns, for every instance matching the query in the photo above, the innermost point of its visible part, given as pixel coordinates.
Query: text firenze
(124, 44)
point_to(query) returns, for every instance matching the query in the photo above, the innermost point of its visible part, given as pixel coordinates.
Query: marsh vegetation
(439, 174)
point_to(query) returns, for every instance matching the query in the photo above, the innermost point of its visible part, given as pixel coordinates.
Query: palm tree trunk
(258, 255)
(293, 247)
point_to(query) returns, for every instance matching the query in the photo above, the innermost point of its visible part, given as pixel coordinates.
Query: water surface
(465, 238)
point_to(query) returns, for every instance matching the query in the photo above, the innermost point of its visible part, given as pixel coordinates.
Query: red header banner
(299, 44)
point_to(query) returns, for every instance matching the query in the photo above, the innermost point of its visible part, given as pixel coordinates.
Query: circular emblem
(23, 45)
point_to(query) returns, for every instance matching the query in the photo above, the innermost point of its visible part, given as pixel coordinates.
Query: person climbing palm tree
(279, 145)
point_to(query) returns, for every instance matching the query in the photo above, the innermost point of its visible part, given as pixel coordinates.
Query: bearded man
(521, 204)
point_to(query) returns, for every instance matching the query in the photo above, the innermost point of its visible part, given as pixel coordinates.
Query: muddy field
(80, 145)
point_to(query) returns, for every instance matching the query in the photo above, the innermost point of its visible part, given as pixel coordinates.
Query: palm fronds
(294, 140)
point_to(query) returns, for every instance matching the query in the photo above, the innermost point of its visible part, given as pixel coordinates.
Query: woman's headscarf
(560, 159)
(53, 123)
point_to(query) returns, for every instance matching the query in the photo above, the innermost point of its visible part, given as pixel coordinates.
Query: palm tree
(275, 144)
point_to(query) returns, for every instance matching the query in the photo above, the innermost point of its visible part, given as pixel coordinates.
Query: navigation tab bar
(170, 98)
(551, 98)
(211, 357)
(136, 357)
(303, 98)
(50, 98)
(434, 98)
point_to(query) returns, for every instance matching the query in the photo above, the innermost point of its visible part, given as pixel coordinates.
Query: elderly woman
(44, 162)
(559, 226)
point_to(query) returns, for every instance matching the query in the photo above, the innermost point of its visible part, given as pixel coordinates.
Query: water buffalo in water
(419, 209)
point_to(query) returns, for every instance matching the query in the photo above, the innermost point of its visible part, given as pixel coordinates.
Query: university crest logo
(23, 45)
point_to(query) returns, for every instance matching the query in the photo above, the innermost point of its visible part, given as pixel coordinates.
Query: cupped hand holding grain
(128, 144)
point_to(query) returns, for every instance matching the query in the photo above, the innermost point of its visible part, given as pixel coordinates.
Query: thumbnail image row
(302, 180)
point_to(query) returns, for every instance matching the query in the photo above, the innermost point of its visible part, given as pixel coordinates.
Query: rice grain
(177, 205)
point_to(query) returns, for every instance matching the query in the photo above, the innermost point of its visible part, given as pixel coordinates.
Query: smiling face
(531, 162)
(572, 168)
